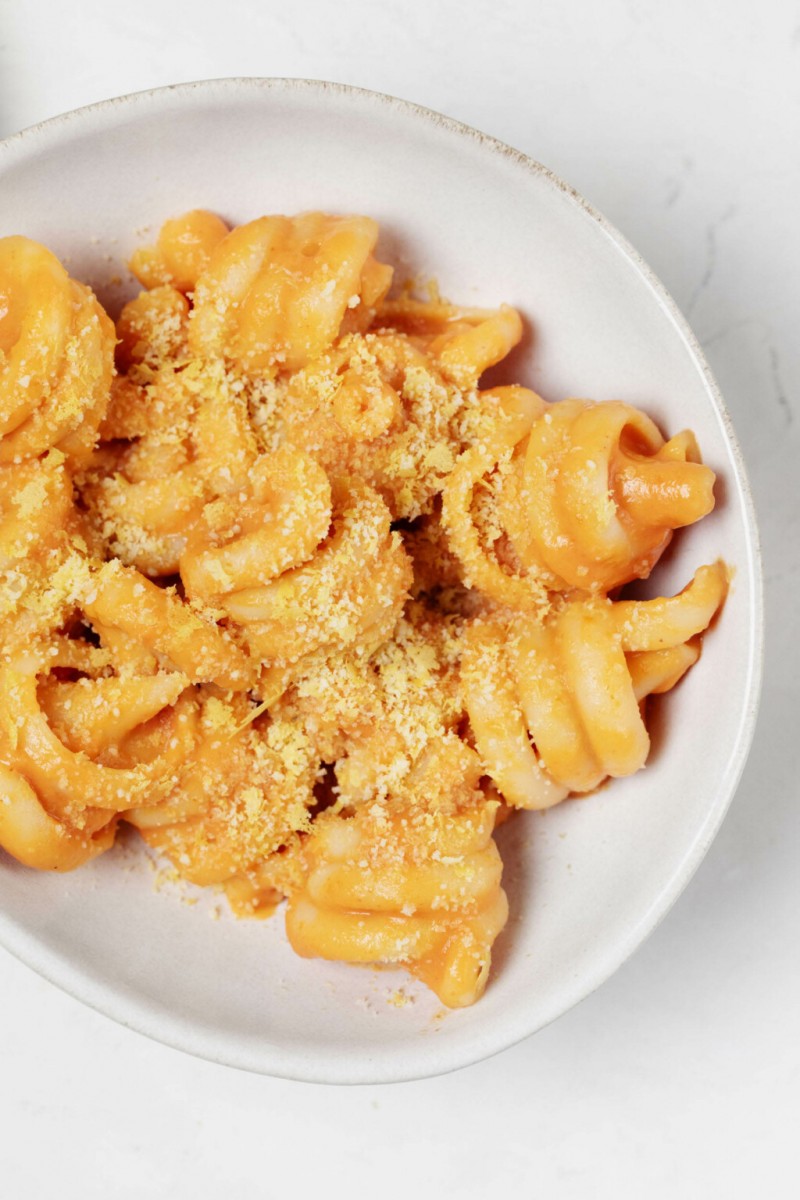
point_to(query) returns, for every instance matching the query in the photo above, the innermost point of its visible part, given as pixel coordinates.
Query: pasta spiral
(56, 356)
(163, 624)
(573, 685)
(464, 342)
(179, 441)
(237, 802)
(66, 767)
(275, 292)
(379, 889)
(292, 586)
(78, 744)
(380, 409)
(587, 498)
(402, 868)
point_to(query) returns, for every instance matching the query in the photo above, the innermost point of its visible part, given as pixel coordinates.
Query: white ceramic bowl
(589, 880)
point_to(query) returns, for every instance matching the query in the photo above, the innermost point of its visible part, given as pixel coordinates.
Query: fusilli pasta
(287, 592)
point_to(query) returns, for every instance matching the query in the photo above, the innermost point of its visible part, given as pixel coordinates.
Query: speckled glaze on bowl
(590, 879)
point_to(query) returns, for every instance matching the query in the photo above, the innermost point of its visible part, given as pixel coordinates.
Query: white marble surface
(681, 1076)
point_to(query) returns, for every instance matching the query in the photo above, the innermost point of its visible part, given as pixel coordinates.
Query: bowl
(588, 880)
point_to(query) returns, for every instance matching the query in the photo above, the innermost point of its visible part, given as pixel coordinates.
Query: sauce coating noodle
(287, 592)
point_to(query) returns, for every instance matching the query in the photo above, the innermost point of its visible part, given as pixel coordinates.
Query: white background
(681, 1076)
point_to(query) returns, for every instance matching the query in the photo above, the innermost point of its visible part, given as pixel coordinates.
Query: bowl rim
(405, 1065)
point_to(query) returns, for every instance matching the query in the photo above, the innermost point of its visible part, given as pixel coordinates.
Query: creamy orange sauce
(284, 589)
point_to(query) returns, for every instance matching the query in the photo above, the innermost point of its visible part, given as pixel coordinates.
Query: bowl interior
(588, 880)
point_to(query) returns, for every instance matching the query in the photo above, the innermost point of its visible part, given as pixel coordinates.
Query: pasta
(283, 589)
(57, 346)
(555, 704)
